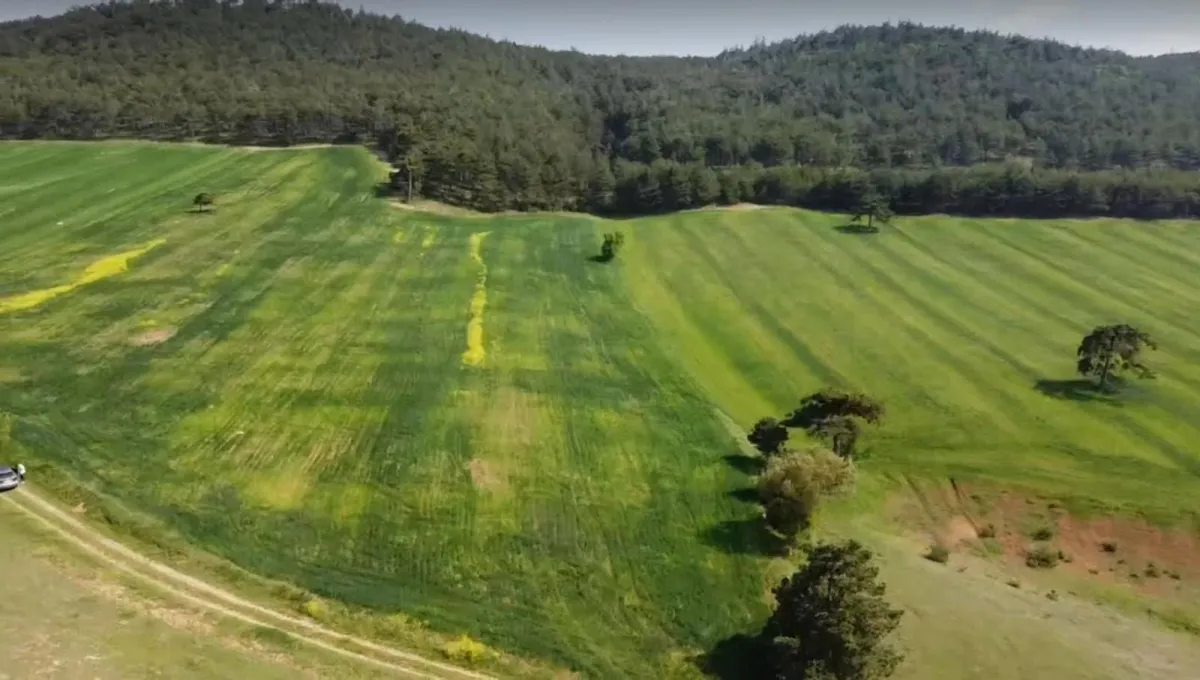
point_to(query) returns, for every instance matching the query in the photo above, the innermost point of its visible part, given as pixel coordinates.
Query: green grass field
(465, 419)
(966, 329)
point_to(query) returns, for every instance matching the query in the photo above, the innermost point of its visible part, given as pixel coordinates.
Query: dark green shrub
(1108, 546)
(988, 531)
(1041, 557)
(1043, 534)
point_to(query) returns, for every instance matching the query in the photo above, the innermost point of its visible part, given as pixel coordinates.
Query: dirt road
(199, 593)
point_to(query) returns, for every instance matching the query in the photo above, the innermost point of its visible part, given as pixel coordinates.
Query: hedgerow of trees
(794, 482)
(917, 119)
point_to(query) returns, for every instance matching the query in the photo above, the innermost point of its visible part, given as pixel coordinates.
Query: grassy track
(954, 324)
(466, 420)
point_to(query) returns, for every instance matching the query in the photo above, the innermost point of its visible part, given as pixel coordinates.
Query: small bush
(314, 609)
(1014, 583)
(1174, 575)
(1043, 534)
(938, 553)
(1152, 571)
(1041, 557)
(1108, 546)
(465, 650)
(988, 531)
(1052, 596)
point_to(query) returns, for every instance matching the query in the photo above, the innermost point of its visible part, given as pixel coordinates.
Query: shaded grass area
(310, 416)
(965, 328)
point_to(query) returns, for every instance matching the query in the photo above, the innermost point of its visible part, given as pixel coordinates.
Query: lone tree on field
(768, 436)
(612, 243)
(835, 415)
(873, 207)
(203, 202)
(831, 620)
(1109, 351)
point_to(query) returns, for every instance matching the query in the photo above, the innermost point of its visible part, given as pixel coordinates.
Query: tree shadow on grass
(602, 259)
(1084, 391)
(750, 465)
(856, 229)
(736, 657)
(745, 537)
(747, 495)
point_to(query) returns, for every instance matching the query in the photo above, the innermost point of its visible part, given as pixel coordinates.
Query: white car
(9, 479)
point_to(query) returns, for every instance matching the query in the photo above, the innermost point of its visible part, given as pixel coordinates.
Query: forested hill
(493, 124)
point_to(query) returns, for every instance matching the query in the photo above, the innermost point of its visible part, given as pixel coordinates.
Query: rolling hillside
(465, 419)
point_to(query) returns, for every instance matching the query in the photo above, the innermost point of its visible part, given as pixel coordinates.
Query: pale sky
(705, 27)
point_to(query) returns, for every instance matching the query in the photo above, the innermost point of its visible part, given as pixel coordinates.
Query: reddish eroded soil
(1155, 560)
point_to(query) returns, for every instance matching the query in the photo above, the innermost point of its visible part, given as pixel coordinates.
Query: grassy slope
(953, 325)
(312, 417)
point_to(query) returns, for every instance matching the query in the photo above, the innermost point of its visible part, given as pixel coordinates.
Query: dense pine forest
(929, 119)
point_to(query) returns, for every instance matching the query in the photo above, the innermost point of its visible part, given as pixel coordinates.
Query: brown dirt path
(200, 593)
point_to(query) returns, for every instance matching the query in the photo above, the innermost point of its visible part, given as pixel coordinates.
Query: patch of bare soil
(1154, 560)
(485, 475)
(152, 338)
(957, 531)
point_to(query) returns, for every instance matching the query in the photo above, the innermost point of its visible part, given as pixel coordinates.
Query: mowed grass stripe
(889, 346)
(963, 354)
(665, 288)
(1165, 264)
(1126, 297)
(121, 190)
(1059, 333)
(1083, 306)
(815, 365)
(1038, 353)
(1178, 355)
(952, 340)
(1166, 441)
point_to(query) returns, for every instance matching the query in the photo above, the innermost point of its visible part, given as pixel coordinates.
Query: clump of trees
(837, 416)
(794, 482)
(1110, 351)
(202, 202)
(612, 243)
(832, 414)
(831, 620)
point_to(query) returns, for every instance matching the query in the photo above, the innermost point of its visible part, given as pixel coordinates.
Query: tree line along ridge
(928, 119)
